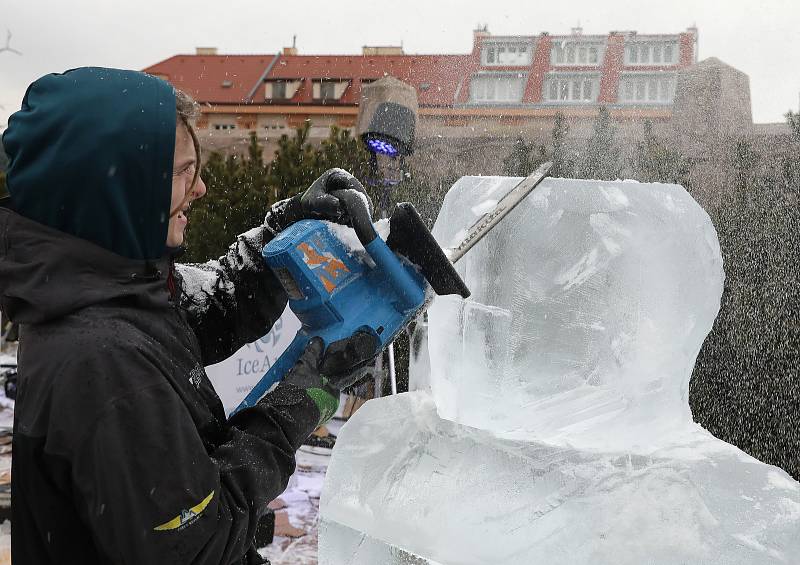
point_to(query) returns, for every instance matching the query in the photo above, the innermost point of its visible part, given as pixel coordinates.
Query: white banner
(238, 374)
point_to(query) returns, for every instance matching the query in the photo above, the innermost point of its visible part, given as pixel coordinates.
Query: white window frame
(484, 90)
(652, 53)
(571, 88)
(491, 52)
(576, 53)
(647, 88)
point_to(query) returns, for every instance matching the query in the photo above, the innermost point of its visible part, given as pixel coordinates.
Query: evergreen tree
(744, 387)
(523, 159)
(295, 164)
(563, 165)
(237, 200)
(794, 124)
(3, 157)
(601, 158)
(241, 188)
(654, 161)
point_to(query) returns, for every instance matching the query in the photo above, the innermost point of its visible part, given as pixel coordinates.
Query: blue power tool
(335, 292)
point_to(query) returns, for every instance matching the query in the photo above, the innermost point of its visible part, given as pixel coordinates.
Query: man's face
(183, 194)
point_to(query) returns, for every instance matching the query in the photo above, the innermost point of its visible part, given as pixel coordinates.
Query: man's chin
(175, 241)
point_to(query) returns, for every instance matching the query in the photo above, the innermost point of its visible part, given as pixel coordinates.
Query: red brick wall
(686, 43)
(540, 67)
(612, 67)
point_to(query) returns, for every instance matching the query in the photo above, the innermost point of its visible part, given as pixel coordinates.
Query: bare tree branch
(8, 45)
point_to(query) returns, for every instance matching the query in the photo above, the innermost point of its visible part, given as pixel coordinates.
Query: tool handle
(279, 369)
(359, 214)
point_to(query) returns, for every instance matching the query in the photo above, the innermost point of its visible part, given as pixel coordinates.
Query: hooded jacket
(122, 452)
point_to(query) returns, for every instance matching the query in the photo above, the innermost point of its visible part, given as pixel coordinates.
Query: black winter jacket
(122, 452)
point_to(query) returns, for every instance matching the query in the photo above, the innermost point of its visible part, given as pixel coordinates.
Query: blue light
(382, 147)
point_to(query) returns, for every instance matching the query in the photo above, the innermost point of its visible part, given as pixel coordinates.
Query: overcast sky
(759, 37)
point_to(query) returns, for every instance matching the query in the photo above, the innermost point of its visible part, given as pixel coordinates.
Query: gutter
(253, 91)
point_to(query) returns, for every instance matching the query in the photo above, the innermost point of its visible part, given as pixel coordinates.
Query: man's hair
(187, 110)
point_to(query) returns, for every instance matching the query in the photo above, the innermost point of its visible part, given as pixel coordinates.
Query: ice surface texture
(589, 304)
(557, 429)
(402, 479)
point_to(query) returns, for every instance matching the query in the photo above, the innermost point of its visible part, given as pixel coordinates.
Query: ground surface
(302, 510)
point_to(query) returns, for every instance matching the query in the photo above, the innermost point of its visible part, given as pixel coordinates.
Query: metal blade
(490, 219)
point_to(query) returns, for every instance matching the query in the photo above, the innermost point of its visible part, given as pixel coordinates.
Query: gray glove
(317, 202)
(323, 373)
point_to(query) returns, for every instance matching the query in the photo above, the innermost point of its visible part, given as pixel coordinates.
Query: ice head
(589, 305)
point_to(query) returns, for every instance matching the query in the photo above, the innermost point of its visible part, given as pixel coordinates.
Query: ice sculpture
(554, 425)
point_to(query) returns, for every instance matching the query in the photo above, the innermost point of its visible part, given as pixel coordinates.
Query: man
(122, 453)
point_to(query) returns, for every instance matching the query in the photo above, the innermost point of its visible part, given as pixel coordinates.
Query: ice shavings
(203, 284)
(348, 237)
(213, 282)
(383, 227)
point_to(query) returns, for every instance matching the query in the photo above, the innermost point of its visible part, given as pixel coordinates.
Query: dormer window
(281, 90)
(329, 90)
(576, 53)
(572, 87)
(516, 54)
(651, 53)
(502, 88)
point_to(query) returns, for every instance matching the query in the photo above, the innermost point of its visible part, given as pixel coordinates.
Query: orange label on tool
(327, 267)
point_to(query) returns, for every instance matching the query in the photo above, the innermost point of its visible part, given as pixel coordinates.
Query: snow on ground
(302, 509)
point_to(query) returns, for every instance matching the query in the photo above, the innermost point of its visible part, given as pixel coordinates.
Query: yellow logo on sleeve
(186, 517)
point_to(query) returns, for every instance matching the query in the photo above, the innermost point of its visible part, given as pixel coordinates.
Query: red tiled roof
(205, 77)
(437, 78)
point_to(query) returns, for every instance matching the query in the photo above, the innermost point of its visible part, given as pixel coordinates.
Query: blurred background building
(473, 106)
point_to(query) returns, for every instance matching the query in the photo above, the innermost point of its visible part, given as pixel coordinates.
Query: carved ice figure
(554, 426)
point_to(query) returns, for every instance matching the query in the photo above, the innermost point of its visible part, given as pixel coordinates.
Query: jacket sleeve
(234, 300)
(152, 492)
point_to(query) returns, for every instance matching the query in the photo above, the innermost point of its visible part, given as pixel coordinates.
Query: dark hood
(91, 154)
(46, 274)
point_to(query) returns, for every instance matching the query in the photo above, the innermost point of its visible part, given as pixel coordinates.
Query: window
(279, 90)
(499, 88)
(575, 53)
(327, 90)
(572, 88)
(509, 54)
(648, 89)
(224, 126)
(651, 53)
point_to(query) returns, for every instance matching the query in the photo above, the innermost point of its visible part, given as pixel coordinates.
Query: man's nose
(199, 189)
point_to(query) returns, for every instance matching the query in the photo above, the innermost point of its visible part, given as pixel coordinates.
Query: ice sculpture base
(453, 494)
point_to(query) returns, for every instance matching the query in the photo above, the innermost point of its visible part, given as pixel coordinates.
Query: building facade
(507, 85)
(473, 106)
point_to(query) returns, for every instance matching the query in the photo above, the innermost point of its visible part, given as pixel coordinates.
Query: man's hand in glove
(323, 373)
(317, 202)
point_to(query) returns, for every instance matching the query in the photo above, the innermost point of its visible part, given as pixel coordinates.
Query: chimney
(293, 49)
(206, 50)
(478, 34)
(382, 50)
